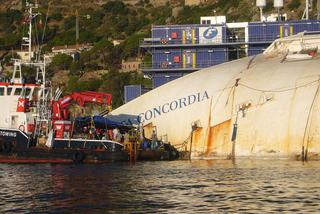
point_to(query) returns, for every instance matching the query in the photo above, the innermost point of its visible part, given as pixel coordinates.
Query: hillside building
(130, 65)
(71, 50)
(194, 2)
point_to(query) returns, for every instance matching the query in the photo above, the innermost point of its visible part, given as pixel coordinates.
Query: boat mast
(27, 41)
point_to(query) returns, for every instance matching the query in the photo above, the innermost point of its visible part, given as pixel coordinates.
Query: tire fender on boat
(6, 147)
(22, 128)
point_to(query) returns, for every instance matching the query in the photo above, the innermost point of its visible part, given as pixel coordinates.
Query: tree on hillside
(114, 82)
(75, 84)
(131, 45)
(8, 20)
(115, 7)
(61, 61)
(294, 4)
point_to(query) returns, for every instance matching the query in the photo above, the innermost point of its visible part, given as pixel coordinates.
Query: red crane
(60, 107)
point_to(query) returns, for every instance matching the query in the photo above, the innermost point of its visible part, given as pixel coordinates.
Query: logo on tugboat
(172, 106)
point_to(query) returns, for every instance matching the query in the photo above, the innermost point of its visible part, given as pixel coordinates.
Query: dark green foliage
(223, 4)
(9, 21)
(113, 20)
(87, 37)
(61, 61)
(238, 16)
(74, 84)
(29, 74)
(100, 54)
(114, 82)
(131, 45)
(160, 15)
(69, 23)
(8, 58)
(76, 68)
(65, 38)
(56, 16)
(269, 6)
(185, 16)
(50, 33)
(10, 16)
(147, 59)
(11, 40)
(95, 20)
(121, 23)
(294, 4)
(115, 7)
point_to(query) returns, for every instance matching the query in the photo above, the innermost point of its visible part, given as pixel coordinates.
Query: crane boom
(60, 107)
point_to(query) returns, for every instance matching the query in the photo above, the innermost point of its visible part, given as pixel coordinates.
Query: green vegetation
(294, 4)
(75, 84)
(61, 61)
(114, 20)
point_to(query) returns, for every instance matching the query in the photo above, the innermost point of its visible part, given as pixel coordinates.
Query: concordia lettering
(172, 106)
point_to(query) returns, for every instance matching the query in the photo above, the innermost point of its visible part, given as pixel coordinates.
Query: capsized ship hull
(268, 105)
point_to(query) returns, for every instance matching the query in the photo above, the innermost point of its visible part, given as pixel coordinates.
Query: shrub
(294, 4)
(61, 61)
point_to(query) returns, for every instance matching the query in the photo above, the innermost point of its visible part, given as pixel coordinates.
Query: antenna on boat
(30, 17)
(27, 42)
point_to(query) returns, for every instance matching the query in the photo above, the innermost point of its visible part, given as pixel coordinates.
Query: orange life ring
(22, 128)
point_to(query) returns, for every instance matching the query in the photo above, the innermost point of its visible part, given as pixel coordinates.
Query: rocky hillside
(101, 22)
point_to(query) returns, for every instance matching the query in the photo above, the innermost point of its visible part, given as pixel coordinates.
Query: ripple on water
(176, 187)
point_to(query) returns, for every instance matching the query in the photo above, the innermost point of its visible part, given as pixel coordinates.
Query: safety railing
(263, 38)
(180, 66)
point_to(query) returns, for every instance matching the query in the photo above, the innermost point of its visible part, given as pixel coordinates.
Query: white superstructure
(25, 105)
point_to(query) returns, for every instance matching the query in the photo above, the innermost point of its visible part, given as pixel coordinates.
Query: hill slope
(102, 21)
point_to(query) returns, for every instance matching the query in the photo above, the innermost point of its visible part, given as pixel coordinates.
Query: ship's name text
(172, 106)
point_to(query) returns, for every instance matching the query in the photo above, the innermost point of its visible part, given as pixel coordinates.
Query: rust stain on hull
(218, 139)
(197, 139)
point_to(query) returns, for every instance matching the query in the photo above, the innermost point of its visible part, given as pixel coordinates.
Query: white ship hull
(275, 104)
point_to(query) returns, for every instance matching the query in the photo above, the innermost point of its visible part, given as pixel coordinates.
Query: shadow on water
(247, 186)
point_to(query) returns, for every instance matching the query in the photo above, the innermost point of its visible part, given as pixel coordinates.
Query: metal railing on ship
(264, 38)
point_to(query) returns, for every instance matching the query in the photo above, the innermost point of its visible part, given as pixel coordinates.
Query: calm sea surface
(246, 186)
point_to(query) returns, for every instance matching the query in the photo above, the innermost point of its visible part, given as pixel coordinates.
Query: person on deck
(126, 137)
(115, 133)
(154, 140)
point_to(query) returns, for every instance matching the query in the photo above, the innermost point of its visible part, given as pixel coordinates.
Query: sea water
(215, 186)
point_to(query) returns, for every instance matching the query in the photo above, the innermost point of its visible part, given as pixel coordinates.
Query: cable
(283, 90)
(45, 24)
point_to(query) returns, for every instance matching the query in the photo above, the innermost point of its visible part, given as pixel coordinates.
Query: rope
(182, 145)
(282, 90)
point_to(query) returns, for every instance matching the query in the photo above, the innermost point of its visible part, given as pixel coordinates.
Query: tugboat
(34, 123)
